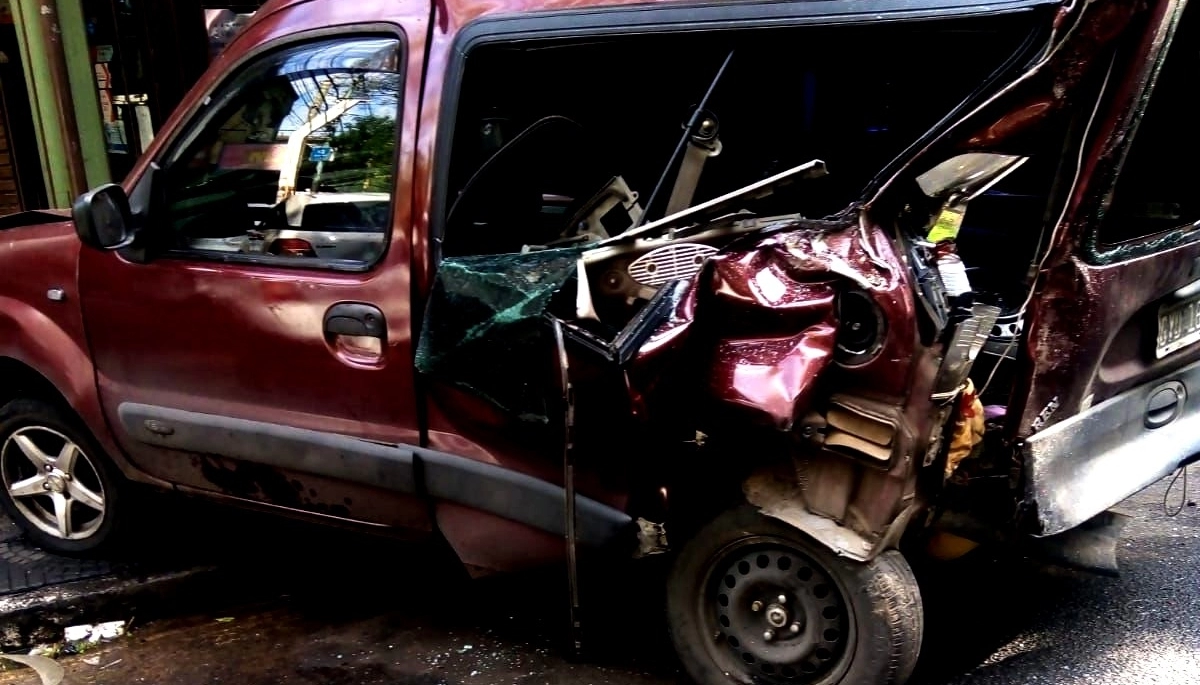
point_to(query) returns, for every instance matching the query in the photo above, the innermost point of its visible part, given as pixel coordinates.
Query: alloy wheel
(53, 483)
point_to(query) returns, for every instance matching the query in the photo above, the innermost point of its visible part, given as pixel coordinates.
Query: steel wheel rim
(53, 483)
(818, 653)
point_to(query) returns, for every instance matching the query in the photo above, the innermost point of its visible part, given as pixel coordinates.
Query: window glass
(298, 161)
(1157, 188)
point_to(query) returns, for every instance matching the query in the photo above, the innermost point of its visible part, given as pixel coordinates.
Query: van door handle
(355, 319)
(1165, 404)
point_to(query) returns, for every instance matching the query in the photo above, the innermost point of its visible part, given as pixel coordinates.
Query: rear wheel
(57, 485)
(752, 600)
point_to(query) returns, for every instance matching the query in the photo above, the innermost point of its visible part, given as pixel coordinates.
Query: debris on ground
(47, 669)
(49, 651)
(83, 638)
(94, 632)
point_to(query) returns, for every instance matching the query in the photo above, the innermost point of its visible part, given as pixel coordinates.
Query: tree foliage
(365, 151)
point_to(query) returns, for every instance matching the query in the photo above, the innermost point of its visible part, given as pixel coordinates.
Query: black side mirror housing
(103, 219)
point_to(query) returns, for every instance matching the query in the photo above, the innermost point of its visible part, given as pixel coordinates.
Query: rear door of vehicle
(1114, 377)
(246, 369)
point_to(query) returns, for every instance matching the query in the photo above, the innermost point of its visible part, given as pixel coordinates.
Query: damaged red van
(786, 290)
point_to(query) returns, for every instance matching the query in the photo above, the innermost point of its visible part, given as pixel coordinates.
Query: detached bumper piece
(1080, 467)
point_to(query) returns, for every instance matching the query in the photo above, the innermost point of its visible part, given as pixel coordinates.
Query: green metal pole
(84, 92)
(62, 95)
(34, 59)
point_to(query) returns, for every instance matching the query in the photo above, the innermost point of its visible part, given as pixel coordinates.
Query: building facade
(84, 85)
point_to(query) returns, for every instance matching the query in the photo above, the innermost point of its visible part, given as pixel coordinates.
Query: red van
(787, 290)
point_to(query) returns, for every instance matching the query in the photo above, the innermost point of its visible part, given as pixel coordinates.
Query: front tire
(752, 600)
(55, 482)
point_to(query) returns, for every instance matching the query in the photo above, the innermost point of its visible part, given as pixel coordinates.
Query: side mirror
(103, 219)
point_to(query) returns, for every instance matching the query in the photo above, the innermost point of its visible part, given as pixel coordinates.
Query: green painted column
(51, 147)
(66, 111)
(84, 90)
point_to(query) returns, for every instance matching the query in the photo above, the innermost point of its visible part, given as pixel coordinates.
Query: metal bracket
(702, 144)
(568, 403)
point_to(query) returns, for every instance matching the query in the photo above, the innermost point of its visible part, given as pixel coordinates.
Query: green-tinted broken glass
(485, 327)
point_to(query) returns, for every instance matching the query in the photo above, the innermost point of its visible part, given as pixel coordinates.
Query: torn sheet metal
(1015, 118)
(782, 500)
(1090, 546)
(761, 319)
(1083, 465)
(769, 371)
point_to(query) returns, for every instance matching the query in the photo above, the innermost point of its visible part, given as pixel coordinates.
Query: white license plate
(1178, 326)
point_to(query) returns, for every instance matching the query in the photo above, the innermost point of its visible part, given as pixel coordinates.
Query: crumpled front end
(791, 355)
(822, 369)
(761, 321)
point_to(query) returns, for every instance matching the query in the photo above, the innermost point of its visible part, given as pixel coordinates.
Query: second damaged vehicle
(786, 290)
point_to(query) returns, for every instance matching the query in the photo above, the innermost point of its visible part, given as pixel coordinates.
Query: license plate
(1178, 326)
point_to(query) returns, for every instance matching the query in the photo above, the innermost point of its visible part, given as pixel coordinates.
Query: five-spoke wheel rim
(775, 615)
(53, 483)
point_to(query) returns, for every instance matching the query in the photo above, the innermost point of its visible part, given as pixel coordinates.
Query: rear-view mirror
(102, 217)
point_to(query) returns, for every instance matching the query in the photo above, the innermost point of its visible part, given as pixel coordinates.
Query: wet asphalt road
(322, 610)
(1038, 626)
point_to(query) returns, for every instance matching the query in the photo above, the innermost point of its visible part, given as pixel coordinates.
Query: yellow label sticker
(947, 225)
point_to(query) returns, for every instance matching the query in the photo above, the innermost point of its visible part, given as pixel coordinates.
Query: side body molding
(445, 477)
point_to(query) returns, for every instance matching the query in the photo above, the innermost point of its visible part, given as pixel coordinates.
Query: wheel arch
(21, 380)
(785, 501)
(720, 481)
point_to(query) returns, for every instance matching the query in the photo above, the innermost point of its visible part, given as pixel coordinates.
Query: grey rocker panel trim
(475, 484)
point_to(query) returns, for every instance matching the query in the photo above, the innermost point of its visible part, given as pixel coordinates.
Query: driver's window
(297, 160)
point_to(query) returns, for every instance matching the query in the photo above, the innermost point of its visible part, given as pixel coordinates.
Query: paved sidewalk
(24, 567)
(181, 558)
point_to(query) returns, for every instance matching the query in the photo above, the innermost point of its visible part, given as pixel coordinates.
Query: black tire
(46, 426)
(861, 622)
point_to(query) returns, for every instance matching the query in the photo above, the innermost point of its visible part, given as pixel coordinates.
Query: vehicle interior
(296, 159)
(543, 127)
